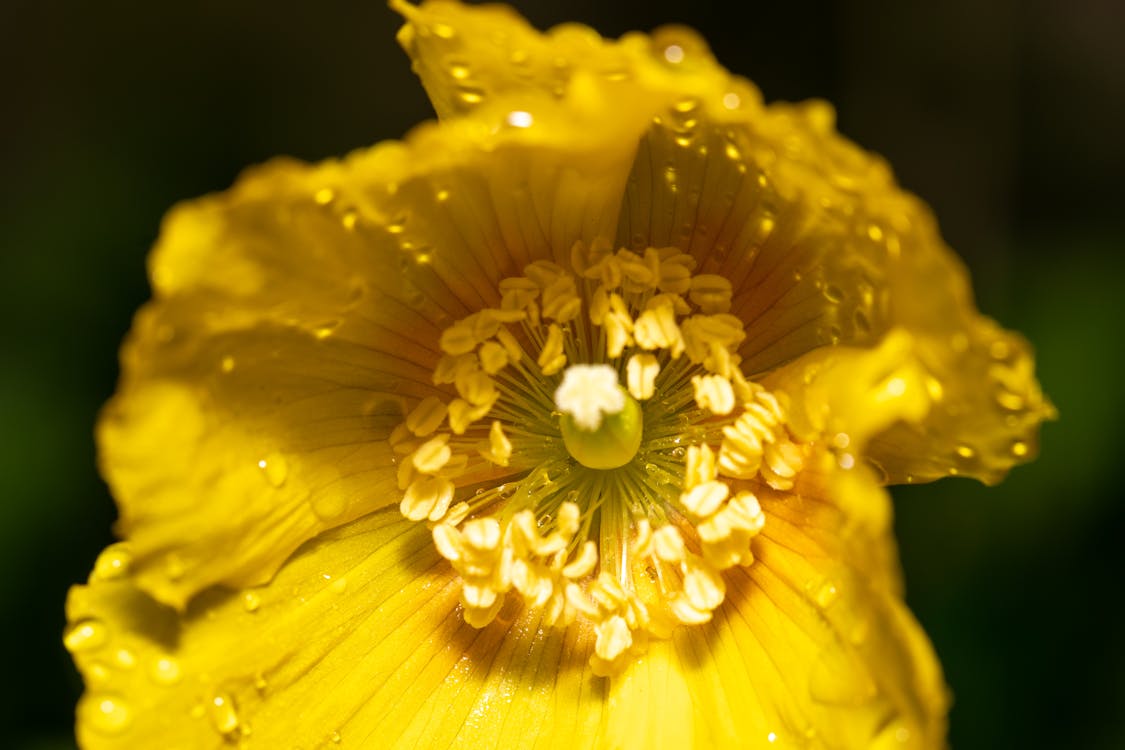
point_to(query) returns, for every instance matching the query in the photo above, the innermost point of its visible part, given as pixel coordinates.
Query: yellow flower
(562, 423)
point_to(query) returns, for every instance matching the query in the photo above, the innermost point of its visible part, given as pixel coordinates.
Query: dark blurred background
(1008, 117)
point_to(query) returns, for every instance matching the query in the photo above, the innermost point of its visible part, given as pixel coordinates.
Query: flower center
(601, 423)
(596, 460)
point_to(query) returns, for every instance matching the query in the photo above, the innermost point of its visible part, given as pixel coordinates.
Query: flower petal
(291, 309)
(357, 640)
(359, 636)
(823, 248)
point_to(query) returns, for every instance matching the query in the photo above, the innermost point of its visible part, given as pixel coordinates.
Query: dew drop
(339, 586)
(349, 219)
(470, 95)
(674, 54)
(324, 196)
(125, 659)
(1020, 449)
(227, 364)
(112, 563)
(834, 294)
(825, 594)
(274, 468)
(174, 567)
(519, 119)
(85, 635)
(965, 452)
(165, 670)
(458, 70)
(441, 196)
(251, 601)
(106, 714)
(442, 31)
(732, 100)
(328, 505)
(335, 738)
(224, 717)
(326, 329)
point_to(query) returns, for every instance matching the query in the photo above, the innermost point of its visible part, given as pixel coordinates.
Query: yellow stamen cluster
(637, 547)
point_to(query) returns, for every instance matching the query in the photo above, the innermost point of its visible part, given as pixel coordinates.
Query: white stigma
(588, 393)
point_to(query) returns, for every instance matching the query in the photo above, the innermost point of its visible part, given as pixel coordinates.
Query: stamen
(595, 423)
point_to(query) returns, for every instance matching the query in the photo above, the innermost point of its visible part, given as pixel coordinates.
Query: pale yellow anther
(458, 339)
(599, 306)
(640, 375)
(458, 513)
(551, 358)
(639, 276)
(426, 416)
(482, 324)
(656, 329)
(617, 333)
(432, 455)
(560, 300)
(607, 592)
(668, 544)
(706, 498)
(543, 272)
(683, 610)
(493, 358)
(583, 257)
(462, 414)
(482, 533)
(714, 393)
(511, 344)
(427, 497)
(583, 565)
(703, 586)
(701, 331)
(675, 274)
(613, 638)
(492, 316)
(711, 293)
(517, 293)
(447, 540)
(726, 535)
(499, 447)
(476, 387)
(699, 466)
(588, 393)
(405, 473)
(569, 518)
(403, 441)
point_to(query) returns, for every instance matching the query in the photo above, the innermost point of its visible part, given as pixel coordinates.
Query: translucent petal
(823, 248)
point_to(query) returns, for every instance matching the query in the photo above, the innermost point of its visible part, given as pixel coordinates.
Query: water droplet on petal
(174, 566)
(105, 714)
(1020, 449)
(275, 469)
(674, 54)
(251, 601)
(112, 563)
(328, 505)
(224, 717)
(165, 670)
(324, 196)
(335, 737)
(85, 635)
(227, 364)
(520, 119)
(125, 659)
(338, 586)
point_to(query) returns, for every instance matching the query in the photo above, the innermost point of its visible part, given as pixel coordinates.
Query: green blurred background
(1008, 117)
